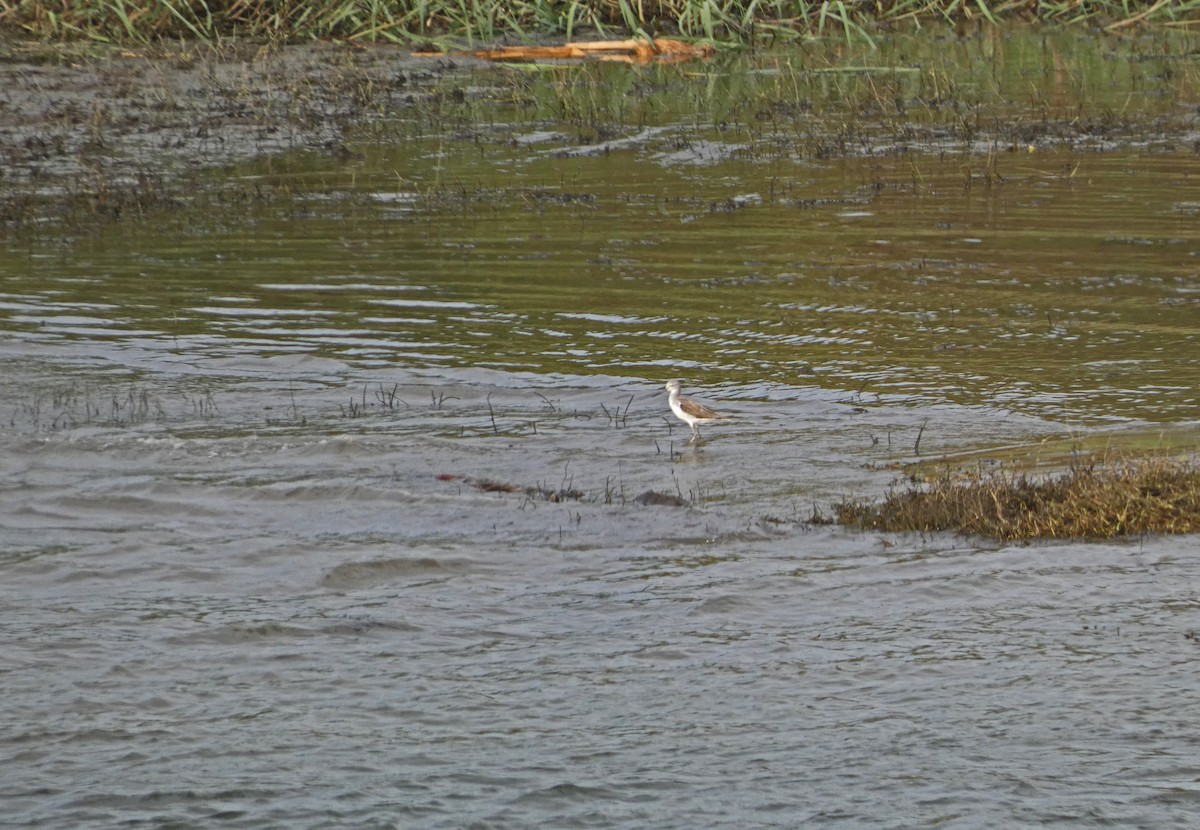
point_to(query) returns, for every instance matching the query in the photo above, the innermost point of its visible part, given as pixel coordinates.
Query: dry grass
(1107, 498)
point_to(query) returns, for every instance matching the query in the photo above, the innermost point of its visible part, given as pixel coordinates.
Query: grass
(420, 21)
(1109, 497)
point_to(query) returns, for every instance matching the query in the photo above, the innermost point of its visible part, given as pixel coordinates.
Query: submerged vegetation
(1106, 498)
(419, 21)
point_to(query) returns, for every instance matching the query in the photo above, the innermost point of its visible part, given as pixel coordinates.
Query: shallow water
(326, 515)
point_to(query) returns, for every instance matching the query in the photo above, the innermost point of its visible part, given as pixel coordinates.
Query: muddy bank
(106, 134)
(93, 135)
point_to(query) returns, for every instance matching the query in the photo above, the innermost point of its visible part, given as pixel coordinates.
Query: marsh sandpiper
(691, 413)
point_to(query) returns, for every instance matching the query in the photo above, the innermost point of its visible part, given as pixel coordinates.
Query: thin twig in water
(388, 397)
(495, 429)
(920, 432)
(440, 398)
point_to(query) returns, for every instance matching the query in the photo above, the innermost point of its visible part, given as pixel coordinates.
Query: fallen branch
(627, 51)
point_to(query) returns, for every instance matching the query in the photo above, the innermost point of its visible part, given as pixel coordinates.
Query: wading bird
(691, 413)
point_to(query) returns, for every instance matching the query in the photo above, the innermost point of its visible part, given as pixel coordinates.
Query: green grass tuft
(408, 21)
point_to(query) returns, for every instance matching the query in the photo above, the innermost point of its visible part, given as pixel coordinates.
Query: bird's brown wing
(696, 410)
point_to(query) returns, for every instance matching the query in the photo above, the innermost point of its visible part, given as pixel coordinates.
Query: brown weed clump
(1105, 499)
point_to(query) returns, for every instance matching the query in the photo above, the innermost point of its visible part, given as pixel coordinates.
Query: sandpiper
(691, 413)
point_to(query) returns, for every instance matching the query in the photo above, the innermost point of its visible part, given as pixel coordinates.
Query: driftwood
(628, 51)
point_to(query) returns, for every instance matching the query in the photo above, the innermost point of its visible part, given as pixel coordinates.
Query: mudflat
(118, 128)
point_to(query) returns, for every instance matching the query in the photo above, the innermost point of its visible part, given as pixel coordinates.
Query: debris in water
(635, 50)
(652, 498)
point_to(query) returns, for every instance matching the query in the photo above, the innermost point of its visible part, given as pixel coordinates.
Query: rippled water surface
(326, 513)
